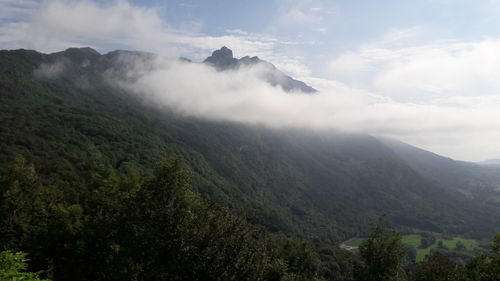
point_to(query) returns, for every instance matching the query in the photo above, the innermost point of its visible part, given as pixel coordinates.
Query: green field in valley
(415, 241)
(354, 242)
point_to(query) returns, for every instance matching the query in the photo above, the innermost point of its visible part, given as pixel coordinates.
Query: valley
(460, 247)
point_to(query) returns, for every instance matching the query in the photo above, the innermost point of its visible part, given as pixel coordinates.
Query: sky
(424, 72)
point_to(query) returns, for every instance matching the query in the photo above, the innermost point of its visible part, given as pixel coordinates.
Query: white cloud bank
(443, 97)
(423, 72)
(451, 88)
(467, 132)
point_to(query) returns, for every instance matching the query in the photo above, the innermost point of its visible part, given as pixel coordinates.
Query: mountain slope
(223, 59)
(477, 181)
(328, 185)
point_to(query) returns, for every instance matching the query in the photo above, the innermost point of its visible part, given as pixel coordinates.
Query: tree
(478, 268)
(383, 254)
(13, 266)
(438, 267)
(460, 246)
(299, 256)
(411, 253)
(495, 257)
(441, 245)
(495, 246)
(486, 267)
(179, 236)
(424, 243)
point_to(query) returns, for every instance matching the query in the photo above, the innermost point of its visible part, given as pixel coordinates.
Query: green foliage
(479, 268)
(482, 267)
(300, 257)
(441, 245)
(354, 242)
(13, 267)
(414, 241)
(424, 243)
(383, 254)
(124, 227)
(460, 246)
(186, 239)
(495, 246)
(438, 267)
(411, 253)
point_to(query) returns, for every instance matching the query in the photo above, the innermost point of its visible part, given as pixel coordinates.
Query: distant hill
(475, 180)
(71, 121)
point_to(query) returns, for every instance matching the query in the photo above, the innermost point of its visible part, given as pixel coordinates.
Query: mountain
(61, 113)
(475, 180)
(223, 59)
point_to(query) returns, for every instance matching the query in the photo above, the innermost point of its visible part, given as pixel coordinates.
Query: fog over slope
(241, 95)
(430, 96)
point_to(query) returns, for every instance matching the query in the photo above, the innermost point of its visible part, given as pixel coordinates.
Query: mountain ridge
(222, 59)
(324, 185)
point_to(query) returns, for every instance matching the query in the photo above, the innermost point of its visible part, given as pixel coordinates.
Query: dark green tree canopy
(383, 254)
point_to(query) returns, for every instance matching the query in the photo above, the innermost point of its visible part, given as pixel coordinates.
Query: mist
(196, 89)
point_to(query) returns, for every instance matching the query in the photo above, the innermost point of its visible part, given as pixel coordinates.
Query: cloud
(462, 127)
(448, 91)
(298, 18)
(421, 73)
(58, 24)
(51, 70)
(54, 25)
(14, 9)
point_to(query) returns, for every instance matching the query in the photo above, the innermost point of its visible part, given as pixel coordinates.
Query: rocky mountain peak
(222, 59)
(223, 52)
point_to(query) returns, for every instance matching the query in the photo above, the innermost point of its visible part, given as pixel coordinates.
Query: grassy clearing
(451, 244)
(412, 239)
(468, 243)
(354, 242)
(415, 240)
(422, 253)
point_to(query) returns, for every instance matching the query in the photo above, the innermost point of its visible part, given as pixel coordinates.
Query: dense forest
(125, 227)
(96, 184)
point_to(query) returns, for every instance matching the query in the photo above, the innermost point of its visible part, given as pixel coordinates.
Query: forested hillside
(479, 182)
(328, 185)
(93, 185)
